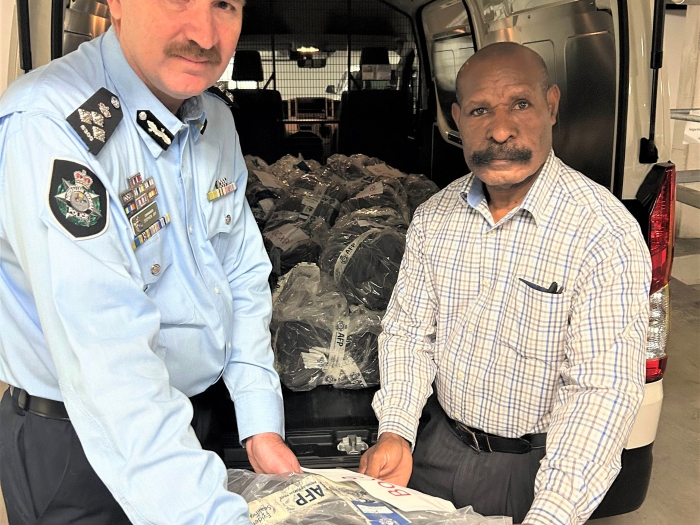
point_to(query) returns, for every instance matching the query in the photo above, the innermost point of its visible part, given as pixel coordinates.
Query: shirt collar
(192, 112)
(536, 200)
(133, 94)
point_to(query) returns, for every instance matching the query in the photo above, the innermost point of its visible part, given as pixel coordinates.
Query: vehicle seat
(258, 113)
(371, 56)
(376, 122)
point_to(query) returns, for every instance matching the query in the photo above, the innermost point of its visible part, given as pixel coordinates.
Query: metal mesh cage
(327, 37)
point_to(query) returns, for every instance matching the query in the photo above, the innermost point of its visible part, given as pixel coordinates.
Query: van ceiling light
(307, 50)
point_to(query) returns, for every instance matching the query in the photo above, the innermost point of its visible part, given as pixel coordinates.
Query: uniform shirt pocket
(535, 323)
(161, 282)
(220, 215)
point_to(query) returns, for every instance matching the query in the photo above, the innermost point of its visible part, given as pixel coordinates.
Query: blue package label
(377, 513)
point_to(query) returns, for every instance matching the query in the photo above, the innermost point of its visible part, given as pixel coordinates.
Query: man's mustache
(500, 152)
(193, 51)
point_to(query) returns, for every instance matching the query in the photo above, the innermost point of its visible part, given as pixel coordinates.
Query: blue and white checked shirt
(96, 324)
(510, 359)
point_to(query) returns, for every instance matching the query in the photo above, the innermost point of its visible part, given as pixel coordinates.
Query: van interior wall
(682, 60)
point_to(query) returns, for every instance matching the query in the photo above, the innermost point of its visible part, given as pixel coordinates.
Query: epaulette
(224, 95)
(96, 119)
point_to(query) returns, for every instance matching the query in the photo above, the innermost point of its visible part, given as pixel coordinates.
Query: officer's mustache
(500, 152)
(193, 51)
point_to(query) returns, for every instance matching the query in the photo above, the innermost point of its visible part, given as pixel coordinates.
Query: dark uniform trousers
(46, 478)
(493, 483)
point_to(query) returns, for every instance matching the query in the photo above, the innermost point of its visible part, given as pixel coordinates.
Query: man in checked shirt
(523, 295)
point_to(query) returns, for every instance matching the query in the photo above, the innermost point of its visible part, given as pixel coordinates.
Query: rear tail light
(662, 230)
(660, 239)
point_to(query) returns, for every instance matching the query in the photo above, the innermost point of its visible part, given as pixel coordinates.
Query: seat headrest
(247, 65)
(374, 55)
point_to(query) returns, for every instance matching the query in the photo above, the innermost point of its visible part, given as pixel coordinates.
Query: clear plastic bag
(378, 216)
(363, 255)
(317, 338)
(255, 163)
(318, 185)
(290, 240)
(352, 170)
(384, 192)
(419, 189)
(305, 499)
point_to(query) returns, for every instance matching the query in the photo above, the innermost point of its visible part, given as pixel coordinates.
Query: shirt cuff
(399, 422)
(259, 412)
(550, 508)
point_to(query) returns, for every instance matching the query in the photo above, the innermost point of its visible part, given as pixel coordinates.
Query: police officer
(132, 276)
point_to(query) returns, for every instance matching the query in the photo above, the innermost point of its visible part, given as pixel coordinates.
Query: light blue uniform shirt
(96, 324)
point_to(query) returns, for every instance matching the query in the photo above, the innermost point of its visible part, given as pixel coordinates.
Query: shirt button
(485, 282)
(228, 219)
(216, 289)
(460, 375)
(470, 328)
(229, 344)
(190, 229)
(155, 269)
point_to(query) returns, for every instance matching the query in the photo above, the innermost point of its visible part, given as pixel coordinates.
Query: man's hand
(269, 455)
(389, 460)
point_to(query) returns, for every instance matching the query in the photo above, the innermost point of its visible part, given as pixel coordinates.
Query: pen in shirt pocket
(554, 288)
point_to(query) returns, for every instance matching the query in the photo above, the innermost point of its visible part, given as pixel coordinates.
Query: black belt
(38, 405)
(484, 442)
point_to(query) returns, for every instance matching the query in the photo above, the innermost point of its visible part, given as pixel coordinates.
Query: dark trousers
(46, 478)
(493, 483)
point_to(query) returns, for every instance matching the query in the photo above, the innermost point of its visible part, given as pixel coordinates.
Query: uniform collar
(134, 95)
(536, 201)
(192, 113)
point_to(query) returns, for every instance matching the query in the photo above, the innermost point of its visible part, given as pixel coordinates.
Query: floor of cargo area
(325, 427)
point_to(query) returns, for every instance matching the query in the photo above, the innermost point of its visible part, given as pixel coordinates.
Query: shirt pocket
(219, 219)
(534, 323)
(161, 282)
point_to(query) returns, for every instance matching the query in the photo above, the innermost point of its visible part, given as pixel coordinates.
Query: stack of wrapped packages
(335, 235)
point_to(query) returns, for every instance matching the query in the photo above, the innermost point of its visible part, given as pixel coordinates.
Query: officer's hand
(389, 460)
(269, 455)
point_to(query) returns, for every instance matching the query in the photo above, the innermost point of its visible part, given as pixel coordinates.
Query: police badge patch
(78, 199)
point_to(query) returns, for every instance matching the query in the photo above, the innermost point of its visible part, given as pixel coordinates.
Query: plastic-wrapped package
(289, 168)
(385, 192)
(352, 170)
(290, 240)
(293, 232)
(255, 163)
(311, 499)
(419, 189)
(317, 339)
(262, 193)
(313, 195)
(363, 257)
(373, 216)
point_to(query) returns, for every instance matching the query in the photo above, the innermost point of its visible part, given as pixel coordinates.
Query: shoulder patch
(78, 199)
(96, 119)
(226, 96)
(154, 128)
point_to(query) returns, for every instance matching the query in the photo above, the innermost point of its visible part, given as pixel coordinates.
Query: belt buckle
(476, 446)
(528, 445)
